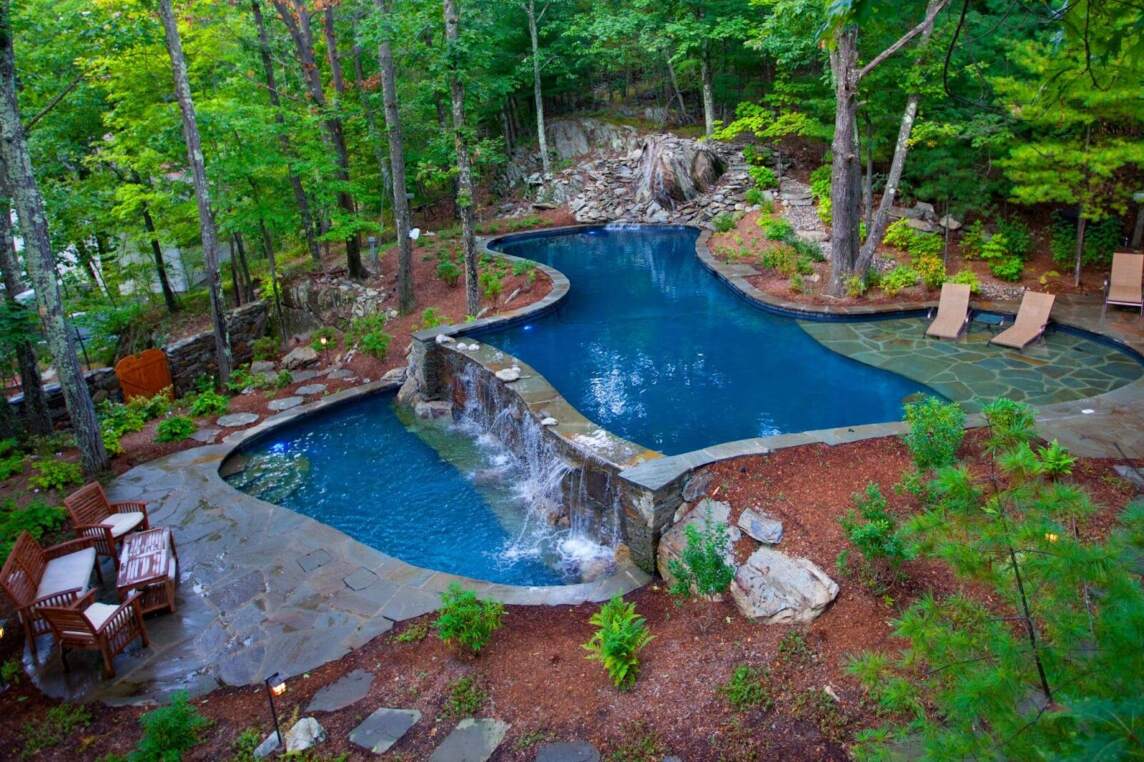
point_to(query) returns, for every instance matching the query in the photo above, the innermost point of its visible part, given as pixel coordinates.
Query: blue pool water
(653, 347)
(416, 491)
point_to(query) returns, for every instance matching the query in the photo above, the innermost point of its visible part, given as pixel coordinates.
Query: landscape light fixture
(414, 233)
(275, 686)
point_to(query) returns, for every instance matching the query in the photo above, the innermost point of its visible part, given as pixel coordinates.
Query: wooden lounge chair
(35, 577)
(1032, 320)
(90, 626)
(94, 516)
(952, 312)
(1124, 284)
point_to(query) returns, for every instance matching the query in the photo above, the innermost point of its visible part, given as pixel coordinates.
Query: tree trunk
(36, 416)
(1138, 230)
(160, 266)
(465, 198)
(41, 261)
(202, 191)
(877, 228)
(1081, 224)
(708, 93)
(845, 169)
(296, 17)
(272, 267)
(247, 281)
(868, 180)
(675, 87)
(300, 199)
(537, 93)
(397, 165)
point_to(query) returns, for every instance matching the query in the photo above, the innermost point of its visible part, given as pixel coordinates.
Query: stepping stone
(204, 435)
(261, 366)
(309, 389)
(350, 689)
(568, 751)
(360, 579)
(382, 729)
(343, 373)
(285, 403)
(298, 376)
(471, 741)
(234, 420)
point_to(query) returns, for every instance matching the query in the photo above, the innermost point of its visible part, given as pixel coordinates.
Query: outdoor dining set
(51, 587)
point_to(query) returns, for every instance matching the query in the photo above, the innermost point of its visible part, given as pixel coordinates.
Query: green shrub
(153, 407)
(465, 620)
(825, 211)
(174, 429)
(11, 671)
(763, 177)
(490, 283)
(796, 284)
(898, 234)
(112, 443)
(897, 279)
(524, 267)
(931, 270)
(781, 259)
(11, 465)
(1010, 424)
(209, 403)
(936, 431)
(170, 731)
(325, 332)
(620, 635)
(1019, 242)
(702, 568)
(57, 725)
(37, 519)
(996, 248)
(283, 379)
(808, 249)
(120, 419)
(969, 278)
(1009, 268)
(265, 348)
(465, 698)
(449, 272)
(874, 532)
(820, 182)
(55, 474)
(925, 245)
(723, 223)
(367, 334)
(754, 197)
(972, 240)
(240, 380)
(747, 688)
(855, 286)
(431, 318)
(776, 228)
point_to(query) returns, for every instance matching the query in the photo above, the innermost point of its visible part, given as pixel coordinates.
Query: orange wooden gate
(143, 375)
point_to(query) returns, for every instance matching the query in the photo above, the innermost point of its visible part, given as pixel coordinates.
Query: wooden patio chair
(1123, 286)
(952, 312)
(1031, 322)
(35, 577)
(89, 626)
(105, 522)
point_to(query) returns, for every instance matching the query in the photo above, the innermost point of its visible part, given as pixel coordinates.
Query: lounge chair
(1123, 286)
(1032, 320)
(94, 516)
(952, 312)
(91, 626)
(35, 577)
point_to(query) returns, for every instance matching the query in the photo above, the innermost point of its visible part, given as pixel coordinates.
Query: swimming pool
(651, 346)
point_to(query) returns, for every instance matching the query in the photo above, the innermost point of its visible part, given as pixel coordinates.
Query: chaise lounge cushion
(122, 523)
(67, 572)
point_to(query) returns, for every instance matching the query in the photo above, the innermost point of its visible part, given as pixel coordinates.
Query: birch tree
(534, 19)
(465, 196)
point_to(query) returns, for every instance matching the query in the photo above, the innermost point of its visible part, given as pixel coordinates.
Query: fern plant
(620, 635)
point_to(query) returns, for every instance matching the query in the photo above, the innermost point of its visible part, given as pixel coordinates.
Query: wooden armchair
(105, 522)
(35, 577)
(89, 626)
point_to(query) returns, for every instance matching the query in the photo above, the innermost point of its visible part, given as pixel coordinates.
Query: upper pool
(653, 347)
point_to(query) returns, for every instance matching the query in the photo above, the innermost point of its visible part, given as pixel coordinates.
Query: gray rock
(925, 209)
(262, 366)
(309, 389)
(382, 729)
(347, 690)
(508, 375)
(568, 751)
(673, 171)
(923, 225)
(1133, 475)
(268, 746)
(298, 376)
(814, 236)
(394, 376)
(471, 741)
(344, 374)
(775, 588)
(431, 409)
(204, 435)
(761, 526)
(284, 403)
(234, 420)
(307, 732)
(949, 223)
(697, 485)
(300, 357)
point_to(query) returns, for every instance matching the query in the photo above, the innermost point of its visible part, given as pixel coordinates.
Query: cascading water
(566, 532)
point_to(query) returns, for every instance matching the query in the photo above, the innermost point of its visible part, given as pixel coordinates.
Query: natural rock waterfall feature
(673, 171)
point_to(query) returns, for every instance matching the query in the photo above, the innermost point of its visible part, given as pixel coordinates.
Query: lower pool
(653, 347)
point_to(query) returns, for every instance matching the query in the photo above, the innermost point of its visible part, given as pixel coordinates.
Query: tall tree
(41, 260)
(296, 16)
(534, 19)
(396, 159)
(207, 229)
(465, 197)
(300, 199)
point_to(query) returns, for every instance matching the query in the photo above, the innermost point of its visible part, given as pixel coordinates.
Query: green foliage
(413, 633)
(856, 286)
(1008, 268)
(1018, 239)
(118, 419)
(431, 318)
(525, 268)
(931, 270)
(491, 283)
(781, 258)
(763, 177)
(936, 431)
(152, 407)
(968, 278)
(240, 379)
(11, 465)
(748, 688)
(640, 743)
(825, 210)
(620, 635)
(265, 348)
(796, 284)
(111, 442)
(755, 197)
(465, 698)
(876, 535)
(325, 338)
(57, 726)
(1010, 424)
(899, 234)
(995, 248)
(283, 379)
(37, 519)
(723, 223)
(776, 228)
(10, 671)
(1100, 241)
(973, 239)
(170, 731)
(1056, 461)
(174, 429)
(820, 182)
(897, 279)
(702, 568)
(368, 334)
(466, 621)
(209, 403)
(919, 244)
(793, 648)
(449, 272)
(55, 474)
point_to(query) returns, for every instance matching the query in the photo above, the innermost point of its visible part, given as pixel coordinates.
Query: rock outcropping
(775, 588)
(673, 171)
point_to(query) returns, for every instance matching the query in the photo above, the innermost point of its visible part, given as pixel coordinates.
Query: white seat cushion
(67, 572)
(122, 523)
(96, 614)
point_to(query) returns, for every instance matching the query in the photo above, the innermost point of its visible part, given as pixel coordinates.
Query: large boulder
(774, 588)
(673, 170)
(569, 138)
(302, 356)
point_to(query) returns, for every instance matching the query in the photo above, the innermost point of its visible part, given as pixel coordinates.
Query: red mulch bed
(537, 678)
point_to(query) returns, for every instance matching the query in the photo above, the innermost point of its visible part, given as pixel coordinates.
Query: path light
(275, 686)
(414, 233)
